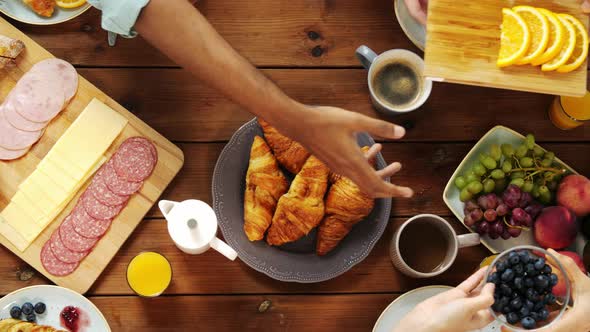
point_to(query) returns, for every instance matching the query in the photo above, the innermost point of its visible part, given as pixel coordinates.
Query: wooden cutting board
(170, 160)
(463, 40)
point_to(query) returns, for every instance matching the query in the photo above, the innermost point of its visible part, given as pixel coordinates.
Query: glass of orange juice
(570, 112)
(149, 274)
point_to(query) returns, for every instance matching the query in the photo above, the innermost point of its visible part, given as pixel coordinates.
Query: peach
(559, 289)
(574, 194)
(556, 227)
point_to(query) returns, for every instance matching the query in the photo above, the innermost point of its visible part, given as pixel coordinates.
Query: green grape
(517, 182)
(506, 166)
(546, 162)
(530, 141)
(535, 192)
(545, 197)
(496, 152)
(552, 185)
(526, 162)
(472, 177)
(548, 176)
(465, 195)
(517, 175)
(460, 182)
(498, 174)
(549, 155)
(543, 189)
(489, 185)
(479, 169)
(490, 163)
(528, 186)
(521, 151)
(538, 152)
(482, 157)
(507, 150)
(475, 187)
(500, 185)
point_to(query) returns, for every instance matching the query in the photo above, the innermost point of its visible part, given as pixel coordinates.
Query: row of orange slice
(539, 37)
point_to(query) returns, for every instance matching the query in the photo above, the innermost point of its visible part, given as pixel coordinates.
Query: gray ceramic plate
(17, 10)
(415, 31)
(297, 261)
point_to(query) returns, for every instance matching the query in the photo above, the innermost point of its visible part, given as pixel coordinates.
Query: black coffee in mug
(397, 84)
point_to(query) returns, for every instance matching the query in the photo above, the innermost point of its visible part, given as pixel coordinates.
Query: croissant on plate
(346, 205)
(289, 153)
(265, 184)
(302, 208)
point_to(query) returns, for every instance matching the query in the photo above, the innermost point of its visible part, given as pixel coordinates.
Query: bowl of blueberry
(524, 297)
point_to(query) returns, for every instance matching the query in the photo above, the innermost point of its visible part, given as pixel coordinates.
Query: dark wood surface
(307, 47)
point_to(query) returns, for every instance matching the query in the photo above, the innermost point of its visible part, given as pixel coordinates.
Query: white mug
(373, 62)
(455, 242)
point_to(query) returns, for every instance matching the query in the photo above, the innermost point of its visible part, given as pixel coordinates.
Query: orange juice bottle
(570, 112)
(149, 274)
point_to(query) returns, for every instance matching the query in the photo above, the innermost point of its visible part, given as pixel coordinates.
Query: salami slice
(134, 161)
(12, 138)
(17, 121)
(64, 71)
(102, 193)
(117, 185)
(53, 265)
(62, 253)
(72, 240)
(12, 154)
(36, 98)
(148, 143)
(87, 226)
(96, 209)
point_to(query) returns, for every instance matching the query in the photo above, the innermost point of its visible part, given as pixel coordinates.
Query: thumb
(379, 128)
(482, 301)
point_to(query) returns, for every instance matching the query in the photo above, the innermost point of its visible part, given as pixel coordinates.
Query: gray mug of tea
(396, 81)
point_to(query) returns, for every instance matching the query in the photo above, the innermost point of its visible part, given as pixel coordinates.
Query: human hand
(417, 9)
(329, 133)
(464, 308)
(586, 6)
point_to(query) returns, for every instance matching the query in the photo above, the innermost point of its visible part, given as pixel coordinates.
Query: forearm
(181, 32)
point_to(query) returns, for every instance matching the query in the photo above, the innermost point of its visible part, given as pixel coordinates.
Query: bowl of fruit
(505, 184)
(529, 293)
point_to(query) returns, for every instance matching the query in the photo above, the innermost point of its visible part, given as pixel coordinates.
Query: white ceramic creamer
(192, 224)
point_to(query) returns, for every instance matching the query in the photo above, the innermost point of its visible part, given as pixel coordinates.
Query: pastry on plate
(9, 49)
(43, 8)
(302, 208)
(346, 205)
(290, 154)
(265, 184)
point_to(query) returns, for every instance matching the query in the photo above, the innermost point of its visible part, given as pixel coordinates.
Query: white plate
(415, 31)
(55, 298)
(17, 10)
(399, 308)
(497, 135)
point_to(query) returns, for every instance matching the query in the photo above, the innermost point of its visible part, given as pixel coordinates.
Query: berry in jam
(70, 318)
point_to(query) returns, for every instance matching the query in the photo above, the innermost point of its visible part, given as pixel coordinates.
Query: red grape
(528, 220)
(490, 215)
(498, 227)
(502, 210)
(525, 199)
(471, 205)
(468, 221)
(506, 234)
(534, 209)
(514, 232)
(476, 215)
(483, 228)
(518, 215)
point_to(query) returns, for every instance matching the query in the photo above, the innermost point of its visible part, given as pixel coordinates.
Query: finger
(373, 151)
(571, 268)
(473, 281)
(416, 10)
(586, 7)
(482, 318)
(379, 127)
(390, 170)
(483, 301)
(386, 190)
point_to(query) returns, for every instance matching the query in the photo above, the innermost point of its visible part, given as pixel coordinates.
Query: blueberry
(535, 316)
(512, 318)
(524, 312)
(501, 267)
(514, 260)
(497, 307)
(505, 310)
(539, 264)
(494, 278)
(550, 299)
(539, 306)
(504, 301)
(508, 275)
(40, 307)
(528, 323)
(512, 254)
(531, 294)
(553, 279)
(518, 283)
(31, 317)
(529, 268)
(529, 304)
(541, 282)
(528, 282)
(547, 269)
(524, 257)
(15, 312)
(505, 289)
(27, 308)
(518, 269)
(543, 314)
(516, 303)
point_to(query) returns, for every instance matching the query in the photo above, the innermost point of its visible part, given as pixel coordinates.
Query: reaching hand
(586, 6)
(464, 308)
(417, 9)
(329, 133)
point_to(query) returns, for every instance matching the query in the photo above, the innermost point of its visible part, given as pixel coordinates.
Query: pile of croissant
(316, 197)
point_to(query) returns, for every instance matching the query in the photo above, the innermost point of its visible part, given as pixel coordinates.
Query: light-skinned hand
(418, 9)
(463, 308)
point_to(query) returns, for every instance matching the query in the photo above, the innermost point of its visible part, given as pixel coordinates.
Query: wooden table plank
(240, 313)
(268, 32)
(426, 168)
(211, 273)
(177, 105)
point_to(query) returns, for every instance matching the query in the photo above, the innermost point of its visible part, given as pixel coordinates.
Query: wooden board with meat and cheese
(78, 172)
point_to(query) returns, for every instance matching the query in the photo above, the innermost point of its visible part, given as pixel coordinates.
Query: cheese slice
(58, 175)
(52, 189)
(18, 219)
(32, 207)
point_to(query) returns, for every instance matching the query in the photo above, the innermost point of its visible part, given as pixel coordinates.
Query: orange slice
(68, 4)
(566, 50)
(539, 30)
(580, 50)
(514, 40)
(556, 38)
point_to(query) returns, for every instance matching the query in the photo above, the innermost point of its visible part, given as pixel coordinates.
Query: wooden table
(307, 47)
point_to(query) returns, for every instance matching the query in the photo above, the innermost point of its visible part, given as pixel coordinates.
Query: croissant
(302, 208)
(346, 205)
(289, 153)
(265, 184)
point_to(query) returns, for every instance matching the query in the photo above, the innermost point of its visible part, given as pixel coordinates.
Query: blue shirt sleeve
(119, 16)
